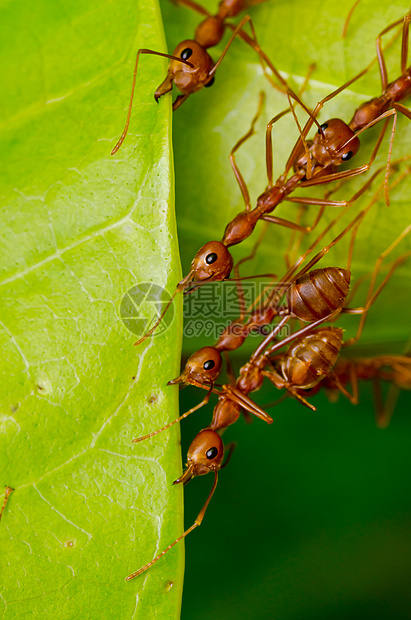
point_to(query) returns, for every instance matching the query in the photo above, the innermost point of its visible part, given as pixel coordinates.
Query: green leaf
(77, 238)
(79, 229)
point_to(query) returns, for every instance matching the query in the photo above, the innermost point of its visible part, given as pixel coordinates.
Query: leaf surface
(79, 229)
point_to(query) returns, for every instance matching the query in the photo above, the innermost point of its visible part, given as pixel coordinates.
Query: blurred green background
(312, 517)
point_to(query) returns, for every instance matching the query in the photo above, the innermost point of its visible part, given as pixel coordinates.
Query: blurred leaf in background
(311, 518)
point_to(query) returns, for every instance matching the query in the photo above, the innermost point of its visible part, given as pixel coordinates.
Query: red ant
(191, 67)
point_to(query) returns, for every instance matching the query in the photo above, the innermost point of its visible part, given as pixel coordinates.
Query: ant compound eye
(209, 364)
(347, 156)
(323, 127)
(210, 83)
(185, 54)
(211, 453)
(211, 258)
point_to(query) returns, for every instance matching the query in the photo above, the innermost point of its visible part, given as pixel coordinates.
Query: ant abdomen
(318, 293)
(312, 357)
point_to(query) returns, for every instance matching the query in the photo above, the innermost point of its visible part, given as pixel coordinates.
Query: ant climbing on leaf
(191, 67)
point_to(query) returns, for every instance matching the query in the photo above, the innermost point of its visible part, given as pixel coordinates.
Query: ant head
(209, 32)
(212, 262)
(205, 454)
(335, 143)
(204, 366)
(188, 76)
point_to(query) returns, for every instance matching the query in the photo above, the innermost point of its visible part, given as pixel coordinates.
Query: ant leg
(196, 523)
(294, 243)
(346, 204)
(255, 45)
(7, 494)
(291, 274)
(179, 101)
(279, 383)
(264, 59)
(268, 137)
(404, 49)
(404, 46)
(380, 411)
(294, 246)
(229, 447)
(301, 398)
(323, 204)
(240, 180)
(285, 341)
(246, 403)
(240, 289)
(360, 280)
(130, 105)
(293, 225)
(185, 415)
(400, 108)
(354, 223)
(347, 19)
(230, 371)
(373, 294)
(237, 31)
(160, 318)
(269, 146)
(193, 6)
(232, 380)
(353, 398)
(394, 389)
